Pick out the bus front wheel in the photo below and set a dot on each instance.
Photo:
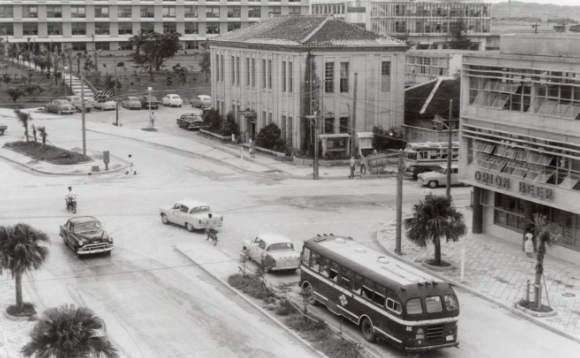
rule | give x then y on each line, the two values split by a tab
368	331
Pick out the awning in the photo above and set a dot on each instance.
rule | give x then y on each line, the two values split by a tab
248	113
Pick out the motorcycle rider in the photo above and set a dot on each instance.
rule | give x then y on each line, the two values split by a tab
209	227
70	197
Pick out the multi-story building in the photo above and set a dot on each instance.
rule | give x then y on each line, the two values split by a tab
520	138
428	24
427	65
285	69
108	24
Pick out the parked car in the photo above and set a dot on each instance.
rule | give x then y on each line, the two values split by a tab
3	127
85	235
131	103
144	99
438	177
202	101
60	106
103	106
190	121
77	103
191	214
172	100
274	251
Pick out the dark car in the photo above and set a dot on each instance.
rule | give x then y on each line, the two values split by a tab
144	99
85	235
190	121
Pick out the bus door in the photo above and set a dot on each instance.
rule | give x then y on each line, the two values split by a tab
331	291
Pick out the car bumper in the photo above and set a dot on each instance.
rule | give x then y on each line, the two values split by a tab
283	268
429	348
95	250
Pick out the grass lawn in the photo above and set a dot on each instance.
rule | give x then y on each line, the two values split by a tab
48	153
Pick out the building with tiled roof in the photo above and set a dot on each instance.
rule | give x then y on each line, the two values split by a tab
287	69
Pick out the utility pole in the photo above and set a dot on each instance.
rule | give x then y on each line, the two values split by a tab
400	167
449	151
316	135
353	126
117	98
83	114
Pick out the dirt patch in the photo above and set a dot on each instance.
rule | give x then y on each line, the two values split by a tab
337	202
48	153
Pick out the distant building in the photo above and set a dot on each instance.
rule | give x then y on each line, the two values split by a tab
427	24
285	69
426	65
520	139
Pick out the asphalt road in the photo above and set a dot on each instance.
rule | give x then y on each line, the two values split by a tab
157	304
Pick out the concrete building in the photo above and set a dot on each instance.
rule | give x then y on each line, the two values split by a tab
428	24
426	65
520	139
287	68
107	25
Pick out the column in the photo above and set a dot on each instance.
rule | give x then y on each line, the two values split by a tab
477	220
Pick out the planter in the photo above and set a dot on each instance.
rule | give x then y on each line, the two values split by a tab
445	266
27	313
525	306
216	136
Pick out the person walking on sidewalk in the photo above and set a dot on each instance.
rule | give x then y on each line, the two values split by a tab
352	167
131	166
529	244
252	147
152	119
363	165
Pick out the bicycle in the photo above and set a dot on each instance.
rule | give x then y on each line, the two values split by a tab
212	234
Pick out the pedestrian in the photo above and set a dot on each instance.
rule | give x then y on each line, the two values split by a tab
529	244
131	166
252	147
352	167
152	119
363	165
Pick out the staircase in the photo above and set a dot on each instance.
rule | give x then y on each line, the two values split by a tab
75	84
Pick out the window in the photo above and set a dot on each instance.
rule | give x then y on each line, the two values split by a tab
125	28
315	262
270	75
78	11
147	27
451	303
101	11
6	12
217	72
247	71
275	11
78	28
7	29
253	72
333	271
414	306
168	11
344	77
101	28
306	256
79	46
233	71
283	76
264	73
367	289
54	11
212	28
29	28
329	77
124	46
328	125
54	28
124	11
169	27
379	299
234	26
269	117
343	123
223	69
254	11
386	76
433	304
29	12
102	46
212	12
294	10
234	11
190	11
147	11
238	70
325	269
289	77
191	28
357	284
394	305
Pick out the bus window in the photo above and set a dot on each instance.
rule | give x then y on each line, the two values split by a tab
333	272
368	289
423	155
345	282
414	306
325	270
379	299
315	263
412	155
357	285
433	304
394	305
306	256
451	303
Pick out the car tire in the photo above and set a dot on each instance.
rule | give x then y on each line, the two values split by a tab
368	331
164	219
189	227
433	184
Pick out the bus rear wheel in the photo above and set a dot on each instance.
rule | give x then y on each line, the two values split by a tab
368	331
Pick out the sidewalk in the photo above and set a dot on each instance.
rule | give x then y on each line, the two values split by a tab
497	270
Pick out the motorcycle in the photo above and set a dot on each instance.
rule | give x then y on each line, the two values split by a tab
212	234
71	205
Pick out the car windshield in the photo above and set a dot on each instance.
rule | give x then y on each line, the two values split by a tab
282	246
87	227
441	170
199	209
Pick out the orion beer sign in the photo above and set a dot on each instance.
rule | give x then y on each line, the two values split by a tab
523	188
492	179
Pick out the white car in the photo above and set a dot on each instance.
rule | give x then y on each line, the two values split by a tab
103	106
190	213
202	101
172	100
439	177
274	251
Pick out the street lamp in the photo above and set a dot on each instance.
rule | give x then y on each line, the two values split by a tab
149	89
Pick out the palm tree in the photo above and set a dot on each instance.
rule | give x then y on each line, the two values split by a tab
23	118
432	219
547	236
67	332
20	252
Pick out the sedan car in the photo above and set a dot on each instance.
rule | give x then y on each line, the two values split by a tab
190	121
172	100
191	214
60	106
439	177
85	235
77	103
3	127
149	101
131	103
274	251
103	106
202	101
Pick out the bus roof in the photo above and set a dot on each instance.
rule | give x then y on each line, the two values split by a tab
377	266
429	145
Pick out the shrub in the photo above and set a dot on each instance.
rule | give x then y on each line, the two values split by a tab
212	119
269	136
230	126
284	307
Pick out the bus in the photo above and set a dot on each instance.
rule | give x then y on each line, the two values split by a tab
428	156
386	298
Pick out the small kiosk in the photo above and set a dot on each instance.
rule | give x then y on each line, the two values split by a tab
335	143
365	143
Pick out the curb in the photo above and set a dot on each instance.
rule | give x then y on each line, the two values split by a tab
260	309
480	295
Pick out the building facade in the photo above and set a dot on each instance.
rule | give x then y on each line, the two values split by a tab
284	70
426	65
520	138
428	24
108	24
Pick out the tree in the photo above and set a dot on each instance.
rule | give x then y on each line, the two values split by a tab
20	252
152	49
15	93
432	219
205	64
547	236
181	73
23	118
68	331
391	138
459	40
